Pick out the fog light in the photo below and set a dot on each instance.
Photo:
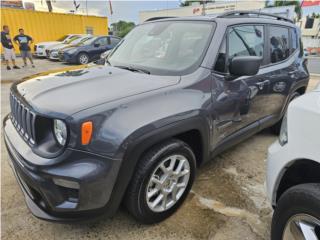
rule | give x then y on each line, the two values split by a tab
66	183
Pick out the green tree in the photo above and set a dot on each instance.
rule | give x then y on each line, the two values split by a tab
278	3
121	28
187	3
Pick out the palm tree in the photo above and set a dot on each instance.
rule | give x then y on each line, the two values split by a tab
297	5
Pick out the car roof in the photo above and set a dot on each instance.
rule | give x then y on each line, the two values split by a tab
233	17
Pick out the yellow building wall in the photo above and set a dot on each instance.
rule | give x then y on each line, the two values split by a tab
45	26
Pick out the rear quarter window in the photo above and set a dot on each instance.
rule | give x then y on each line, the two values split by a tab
279	43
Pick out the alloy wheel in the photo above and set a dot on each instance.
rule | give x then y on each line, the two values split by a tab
83	59
302	227
168	183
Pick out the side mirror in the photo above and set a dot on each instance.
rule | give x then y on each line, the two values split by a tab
244	66
100	61
96	44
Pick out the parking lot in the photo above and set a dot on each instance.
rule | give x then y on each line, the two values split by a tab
227	200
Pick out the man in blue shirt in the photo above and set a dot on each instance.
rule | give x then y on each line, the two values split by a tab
23	41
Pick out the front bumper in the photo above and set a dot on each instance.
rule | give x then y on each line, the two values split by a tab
77	185
54	56
40	52
276	162
69	58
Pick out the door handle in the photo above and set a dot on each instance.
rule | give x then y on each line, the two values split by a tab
261	84
293	72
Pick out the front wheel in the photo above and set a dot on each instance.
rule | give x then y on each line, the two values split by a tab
83	58
297	215
161	182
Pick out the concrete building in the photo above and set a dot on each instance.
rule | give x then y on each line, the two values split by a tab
310	30
216	8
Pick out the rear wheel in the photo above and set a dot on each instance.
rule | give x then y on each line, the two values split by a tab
161	182
297	215
276	127
83	58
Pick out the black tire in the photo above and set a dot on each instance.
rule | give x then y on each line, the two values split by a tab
135	199
82	56
276	127
301	199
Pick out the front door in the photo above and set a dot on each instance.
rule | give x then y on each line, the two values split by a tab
240	102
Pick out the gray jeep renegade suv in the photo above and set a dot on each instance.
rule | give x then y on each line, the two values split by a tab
174	93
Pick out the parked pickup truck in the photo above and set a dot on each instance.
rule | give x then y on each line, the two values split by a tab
174	93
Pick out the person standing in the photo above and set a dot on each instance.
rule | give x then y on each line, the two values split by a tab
23	41
8	48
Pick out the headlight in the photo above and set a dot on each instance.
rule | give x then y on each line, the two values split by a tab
105	54
54	53
60	131
283	137
71	51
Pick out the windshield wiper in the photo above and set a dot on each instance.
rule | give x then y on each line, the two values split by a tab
107	61
134	69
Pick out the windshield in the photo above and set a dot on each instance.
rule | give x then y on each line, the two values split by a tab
80	40
62	38
164	48
87	41
71	39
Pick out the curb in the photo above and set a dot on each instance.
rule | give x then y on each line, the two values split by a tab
7	81
314	74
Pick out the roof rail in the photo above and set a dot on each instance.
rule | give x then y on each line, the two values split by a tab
156	18
257	13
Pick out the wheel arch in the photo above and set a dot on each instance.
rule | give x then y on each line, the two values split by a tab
85	52
297	172
183	130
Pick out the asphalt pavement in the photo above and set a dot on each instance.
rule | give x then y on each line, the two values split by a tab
314	65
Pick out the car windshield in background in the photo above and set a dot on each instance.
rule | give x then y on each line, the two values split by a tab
62	38
164	48
80	40
87	41
70	40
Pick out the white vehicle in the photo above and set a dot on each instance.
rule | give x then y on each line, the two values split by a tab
52	52
293	172
40	48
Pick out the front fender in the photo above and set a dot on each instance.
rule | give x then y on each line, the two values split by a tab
115	129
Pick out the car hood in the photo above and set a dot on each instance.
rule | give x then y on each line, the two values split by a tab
72	90
70	47
58	46
47	44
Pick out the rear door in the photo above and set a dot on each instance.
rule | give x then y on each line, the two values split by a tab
282	68
240	102
100	46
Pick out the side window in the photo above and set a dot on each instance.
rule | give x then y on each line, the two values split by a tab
279	44
294	40
114	41
102	41
245	40
221	65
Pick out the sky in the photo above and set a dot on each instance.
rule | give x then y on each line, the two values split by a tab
127	10
122	10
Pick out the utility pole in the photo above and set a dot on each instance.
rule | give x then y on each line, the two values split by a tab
49	4
203	7
87	7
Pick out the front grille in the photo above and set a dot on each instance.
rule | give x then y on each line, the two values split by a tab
23	119
48	53
60	55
